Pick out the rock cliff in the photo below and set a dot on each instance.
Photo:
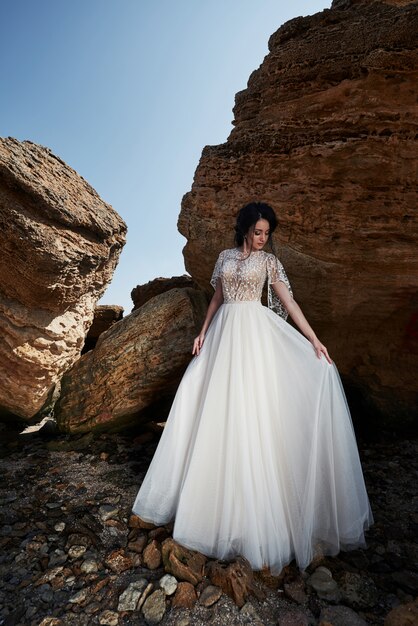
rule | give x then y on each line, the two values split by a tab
60	244
326	133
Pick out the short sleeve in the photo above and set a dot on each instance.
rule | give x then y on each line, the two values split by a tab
275	273
217	269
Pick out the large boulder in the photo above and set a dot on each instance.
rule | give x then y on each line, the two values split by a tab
142	293
105	315
60	244
325	132
135	368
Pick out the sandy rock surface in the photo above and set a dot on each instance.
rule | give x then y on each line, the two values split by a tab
325	133
60	243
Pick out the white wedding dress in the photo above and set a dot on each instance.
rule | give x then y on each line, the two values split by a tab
258	456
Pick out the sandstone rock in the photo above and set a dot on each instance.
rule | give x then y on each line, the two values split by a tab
118	562
185	595
135	367
105	315
404	615
184	564
325	132
152	555
210	595
142	293
60	244
234	578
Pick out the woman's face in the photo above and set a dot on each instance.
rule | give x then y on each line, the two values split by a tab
258	235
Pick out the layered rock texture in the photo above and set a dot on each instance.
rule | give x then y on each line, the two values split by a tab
326	133
142	293
135	368
59	245
105	315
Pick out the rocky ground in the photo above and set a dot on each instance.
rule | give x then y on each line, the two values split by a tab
72	554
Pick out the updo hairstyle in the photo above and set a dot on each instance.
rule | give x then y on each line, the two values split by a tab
249	215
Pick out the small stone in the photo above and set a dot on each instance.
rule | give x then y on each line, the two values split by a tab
185	595
138	545
210	595
152	555
128	600
168	584
154	607
107	511
248	611
118	562
59	527
109	618
137	522
324	584
79	597
76	552
50	621
340	616
89	566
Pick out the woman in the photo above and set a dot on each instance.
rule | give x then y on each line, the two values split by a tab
258	455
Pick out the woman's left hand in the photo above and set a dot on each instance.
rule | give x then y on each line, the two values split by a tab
320	349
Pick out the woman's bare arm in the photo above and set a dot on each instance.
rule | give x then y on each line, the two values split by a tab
214	305
295	312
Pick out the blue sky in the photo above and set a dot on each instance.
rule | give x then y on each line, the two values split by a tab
128	92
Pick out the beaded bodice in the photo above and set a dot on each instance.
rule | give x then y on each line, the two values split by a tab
243	277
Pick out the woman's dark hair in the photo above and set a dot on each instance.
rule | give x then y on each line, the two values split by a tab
249	215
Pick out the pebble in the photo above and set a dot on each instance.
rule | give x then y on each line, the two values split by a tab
168	584
76	552
109	618
89	566
210	595
324	584
154	607
128	600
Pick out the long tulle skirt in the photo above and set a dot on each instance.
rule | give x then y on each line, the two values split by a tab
258	456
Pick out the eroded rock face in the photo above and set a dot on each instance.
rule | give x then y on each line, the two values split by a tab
105	315
60	244
325	133
135	368
142	293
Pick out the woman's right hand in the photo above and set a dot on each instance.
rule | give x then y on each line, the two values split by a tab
198	343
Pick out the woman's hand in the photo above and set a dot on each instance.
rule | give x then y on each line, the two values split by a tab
198	343
320	349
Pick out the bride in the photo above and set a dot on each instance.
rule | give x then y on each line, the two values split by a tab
258	456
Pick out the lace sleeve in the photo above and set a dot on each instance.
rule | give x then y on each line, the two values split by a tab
217	269
275	272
